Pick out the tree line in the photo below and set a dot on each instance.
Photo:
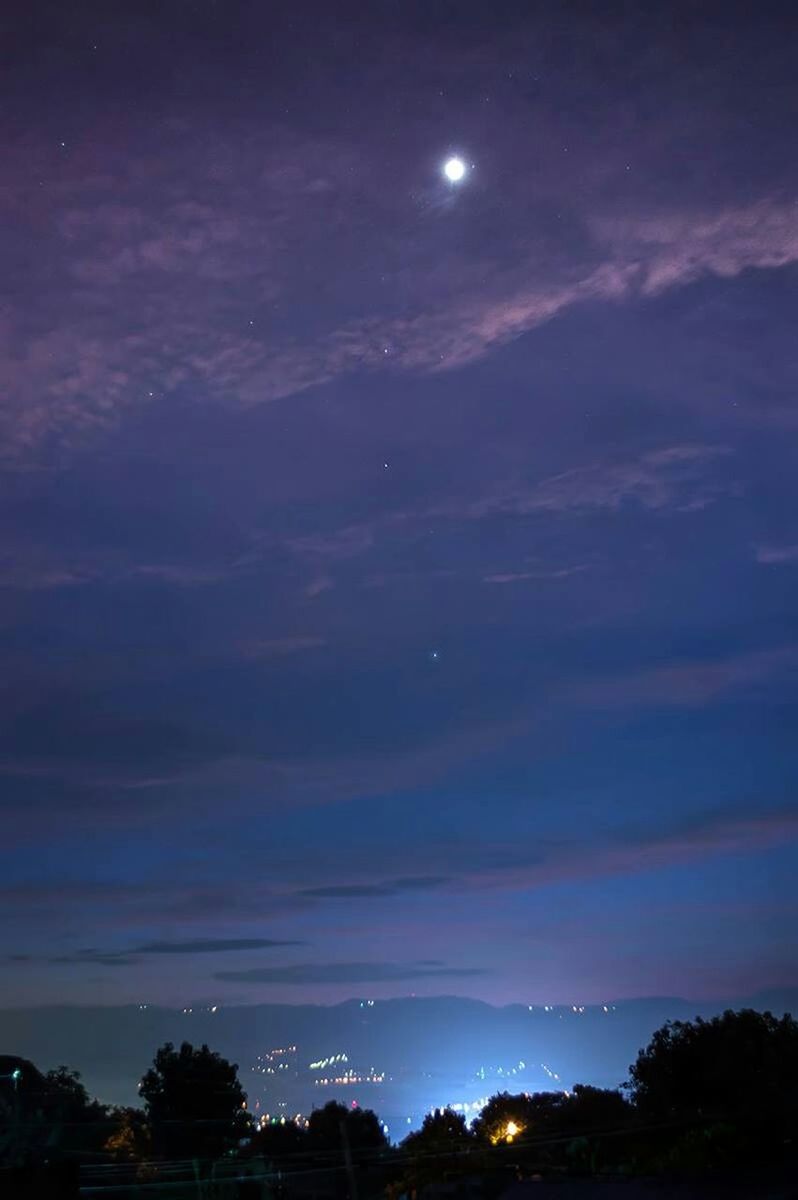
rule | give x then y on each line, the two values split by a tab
702	1093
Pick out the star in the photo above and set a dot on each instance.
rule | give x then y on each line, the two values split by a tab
454	169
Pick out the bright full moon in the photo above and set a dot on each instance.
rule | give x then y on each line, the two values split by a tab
454	169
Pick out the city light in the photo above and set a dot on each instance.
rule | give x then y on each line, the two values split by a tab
351	1076
328	1062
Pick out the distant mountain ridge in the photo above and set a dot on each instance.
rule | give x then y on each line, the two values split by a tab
431	1051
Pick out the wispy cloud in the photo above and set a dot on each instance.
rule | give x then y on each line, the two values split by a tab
322	583
584	855
525	576
713	834
668	476
35	577
95	958
35	570
684	477
645	256
338	545
689	682
180	574
281	646
78	378
133	955
496	864
392	887
772	555
211	946
676	248
347	972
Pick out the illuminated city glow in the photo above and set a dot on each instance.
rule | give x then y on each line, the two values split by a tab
288	1081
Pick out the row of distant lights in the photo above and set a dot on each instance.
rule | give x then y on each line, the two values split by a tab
501	1070
466	1107
213	1008
269	1054
269	1057
350	1077
577	1008
298	1120
328	1062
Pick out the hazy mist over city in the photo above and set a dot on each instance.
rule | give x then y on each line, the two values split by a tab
400	1057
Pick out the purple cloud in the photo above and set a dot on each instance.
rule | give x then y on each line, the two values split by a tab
776	555
280	646
688	683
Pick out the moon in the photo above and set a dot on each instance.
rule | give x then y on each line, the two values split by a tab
454	169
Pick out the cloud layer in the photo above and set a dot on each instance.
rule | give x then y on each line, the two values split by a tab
346	973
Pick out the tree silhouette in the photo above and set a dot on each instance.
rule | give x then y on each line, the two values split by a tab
441	1131
195	1105
589	1108
65	1084
131	1139
281	1141
361	1126
47	1110
740	1066
509	1118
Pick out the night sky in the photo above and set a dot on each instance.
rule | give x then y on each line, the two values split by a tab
399	576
